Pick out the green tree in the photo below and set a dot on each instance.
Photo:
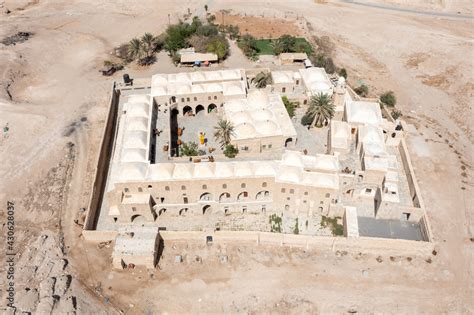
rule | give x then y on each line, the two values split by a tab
321	109
223	132
262	79
388	98
287	43
277	46
343	73
290	106
362	90
306	120
396	114
230	151
189	149
135	50
248	44
219	46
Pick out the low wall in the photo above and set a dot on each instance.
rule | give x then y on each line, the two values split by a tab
376	246
99	236
102	162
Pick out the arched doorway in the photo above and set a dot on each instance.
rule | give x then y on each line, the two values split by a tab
212	108
225	197
137	218
263	195
187	111
183	211
243	196
288	141
206	197
207	209
199	108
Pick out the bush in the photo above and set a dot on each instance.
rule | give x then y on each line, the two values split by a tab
362	90
388	98
189	149
290	106
306	120
343	73
329	65
230	151
396	114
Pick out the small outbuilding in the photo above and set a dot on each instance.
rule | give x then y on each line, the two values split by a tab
198	59
136	247
290	58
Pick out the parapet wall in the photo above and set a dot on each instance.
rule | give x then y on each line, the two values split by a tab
102	162
376	246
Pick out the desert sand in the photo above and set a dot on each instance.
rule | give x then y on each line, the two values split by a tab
54	101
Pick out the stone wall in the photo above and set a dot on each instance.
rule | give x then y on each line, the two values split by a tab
102	162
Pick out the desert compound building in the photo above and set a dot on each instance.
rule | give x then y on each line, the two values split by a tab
286	179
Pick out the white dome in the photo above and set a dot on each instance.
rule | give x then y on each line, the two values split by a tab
198	76
203	170
289	174
133	171
262	114
233	89
242	169
160	79
197	88
137	110
182	77
160	90
213	75
224	169
341	81
135	140
183	89
240	118
137	124
257	99
263	169
267	128
292	158
134	155
161	171
183	171
213	87
245	130
235	105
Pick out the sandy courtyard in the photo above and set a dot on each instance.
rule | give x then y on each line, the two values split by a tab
54	101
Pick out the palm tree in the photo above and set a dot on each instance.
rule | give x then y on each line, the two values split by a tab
262	79
223	132
135	49
321	108
277	46
148	42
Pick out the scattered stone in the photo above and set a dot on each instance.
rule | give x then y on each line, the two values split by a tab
434	252
429	261
223	259
379	259
178	259
19	37
365	273
409	258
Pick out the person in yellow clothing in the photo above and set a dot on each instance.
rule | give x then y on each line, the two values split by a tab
201	138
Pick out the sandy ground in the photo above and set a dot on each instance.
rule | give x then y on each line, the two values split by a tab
58	97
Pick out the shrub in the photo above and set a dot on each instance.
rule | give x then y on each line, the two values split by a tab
275	223
189	149
396	114
329	65
362	90
290	106
306	120
230	151
388	98
296	229
343	73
